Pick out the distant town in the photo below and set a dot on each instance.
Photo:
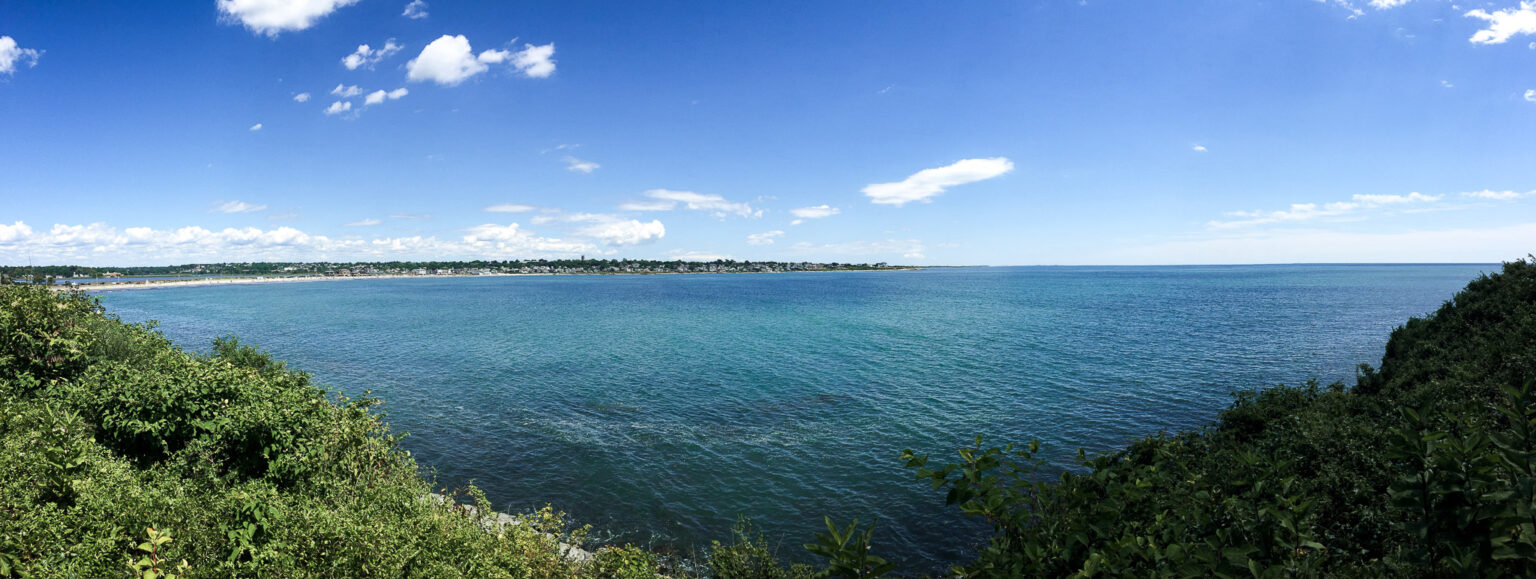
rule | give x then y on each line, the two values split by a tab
64	273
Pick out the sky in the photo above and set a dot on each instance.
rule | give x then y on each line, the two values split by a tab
929	133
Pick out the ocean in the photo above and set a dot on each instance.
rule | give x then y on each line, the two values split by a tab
660	408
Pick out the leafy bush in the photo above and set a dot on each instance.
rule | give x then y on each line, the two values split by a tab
1426	468
106	429
749	557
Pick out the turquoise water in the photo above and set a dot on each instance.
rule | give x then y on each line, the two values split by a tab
659	408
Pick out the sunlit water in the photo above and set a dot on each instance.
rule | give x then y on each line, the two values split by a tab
660	408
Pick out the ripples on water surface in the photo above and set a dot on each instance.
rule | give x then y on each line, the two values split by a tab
661	407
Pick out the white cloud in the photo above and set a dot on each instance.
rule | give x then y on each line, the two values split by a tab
1385	4
302	97
681	255
764	238
631	232
1308	211
532	61
255	127
363	223
817	212
238	207
889	248
535	61
416	10
11	55
338	107
577	165
271	17
16	231
510	208
100	243
367	57
668	200
1530	95
928	183
1199	148
1478	245
1498	195
557	216
493	56
512	238
378	96
345	91
648	206
447	61
1504	24
1447	84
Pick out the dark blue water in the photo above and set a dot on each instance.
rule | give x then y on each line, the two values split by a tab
659	408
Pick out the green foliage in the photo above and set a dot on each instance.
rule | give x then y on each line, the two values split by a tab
749	557
1426	468
848	552
106	427
152	556
229	349
43	338
627	562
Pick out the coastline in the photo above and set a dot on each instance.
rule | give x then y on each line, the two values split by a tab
247	280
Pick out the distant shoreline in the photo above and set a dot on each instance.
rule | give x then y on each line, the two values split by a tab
248	280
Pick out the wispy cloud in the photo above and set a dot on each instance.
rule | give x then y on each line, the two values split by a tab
238	207
1308	211
345	91
1198	148
367	57
378	96
667	200
817	212
338	107
579	166
648	206
364	223
557	216
416	10
764	238
906	248
302	97
1498	195
510	208
925	184
255	127
682	255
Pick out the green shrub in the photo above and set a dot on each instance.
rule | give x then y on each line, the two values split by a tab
627	562
749	557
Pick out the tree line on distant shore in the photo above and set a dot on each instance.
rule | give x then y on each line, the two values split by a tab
61	272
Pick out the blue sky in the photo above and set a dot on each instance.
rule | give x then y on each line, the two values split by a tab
1049	132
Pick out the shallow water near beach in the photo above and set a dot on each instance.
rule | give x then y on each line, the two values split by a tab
660	408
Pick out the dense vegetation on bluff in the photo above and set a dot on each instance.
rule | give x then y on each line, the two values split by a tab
126	455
